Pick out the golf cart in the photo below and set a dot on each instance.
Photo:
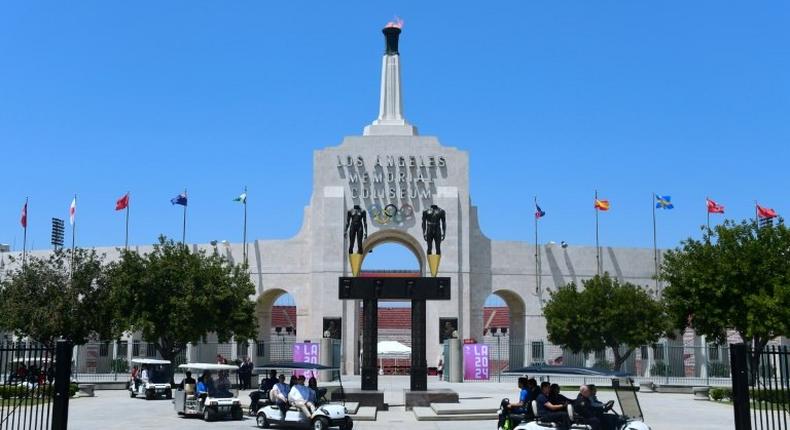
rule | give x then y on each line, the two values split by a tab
327	414
219	399
629	418
157	383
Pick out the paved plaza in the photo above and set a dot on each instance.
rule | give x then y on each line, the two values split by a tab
115	410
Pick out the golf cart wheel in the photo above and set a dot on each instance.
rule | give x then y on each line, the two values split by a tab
132	394
262	421
207	415
168	394
149	395
320	423
347	425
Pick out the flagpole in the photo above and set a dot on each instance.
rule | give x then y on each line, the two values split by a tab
245	226
537	251
126	241
73	234
655	244
24	234
597	244
184	227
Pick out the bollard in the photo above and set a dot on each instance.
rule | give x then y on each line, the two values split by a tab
455	361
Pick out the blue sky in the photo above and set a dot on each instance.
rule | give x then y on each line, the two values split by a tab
553	99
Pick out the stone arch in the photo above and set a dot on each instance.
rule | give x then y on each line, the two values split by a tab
263	310
518	311
399	237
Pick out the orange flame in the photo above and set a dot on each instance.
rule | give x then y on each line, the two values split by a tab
397	23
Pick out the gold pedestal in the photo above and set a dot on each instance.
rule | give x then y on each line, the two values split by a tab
433	263
356	263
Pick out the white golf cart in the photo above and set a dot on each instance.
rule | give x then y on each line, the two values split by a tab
153	379
629	418
219	399
327	414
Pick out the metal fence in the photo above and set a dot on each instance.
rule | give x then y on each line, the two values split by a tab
34	386
761	387
660	363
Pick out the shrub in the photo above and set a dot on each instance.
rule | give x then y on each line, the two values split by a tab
659	369
716	394
120	365
73	388
717	369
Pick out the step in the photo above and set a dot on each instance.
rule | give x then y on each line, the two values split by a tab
426	413
466	408
364	413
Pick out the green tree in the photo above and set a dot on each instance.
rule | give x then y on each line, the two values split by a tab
174	296
604	314
737	277
46	300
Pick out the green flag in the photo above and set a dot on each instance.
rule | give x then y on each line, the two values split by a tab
242	198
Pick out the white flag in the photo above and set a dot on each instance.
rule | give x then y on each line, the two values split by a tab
72	210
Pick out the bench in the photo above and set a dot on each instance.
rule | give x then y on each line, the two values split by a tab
86	390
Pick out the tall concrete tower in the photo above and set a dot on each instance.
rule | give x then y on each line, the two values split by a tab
390	121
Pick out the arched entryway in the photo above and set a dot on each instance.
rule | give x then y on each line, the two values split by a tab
504	330
388	255
276	313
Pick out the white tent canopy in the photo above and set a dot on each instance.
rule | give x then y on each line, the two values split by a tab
391	347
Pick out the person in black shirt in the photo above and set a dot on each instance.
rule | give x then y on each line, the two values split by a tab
188	379
582	407
552	408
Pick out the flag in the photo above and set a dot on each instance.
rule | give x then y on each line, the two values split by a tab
180	199
242	198
539	213
602	205
23	219
713	207
765	213
664	202
122	203
73	210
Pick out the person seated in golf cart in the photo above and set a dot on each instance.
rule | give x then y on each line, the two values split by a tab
318	394
608	421
299	396
279	394
584	411
551	408
516	411
263	391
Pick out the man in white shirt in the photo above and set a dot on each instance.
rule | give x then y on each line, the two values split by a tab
144	374
299	396
279	394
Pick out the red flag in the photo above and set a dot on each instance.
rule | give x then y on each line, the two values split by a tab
765	213
23	220
122	203
713	207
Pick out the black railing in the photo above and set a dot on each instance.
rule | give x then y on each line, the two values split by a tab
761	387
34	386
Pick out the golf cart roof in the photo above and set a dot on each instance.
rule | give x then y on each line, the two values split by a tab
208	366
149	361
294	365
566	370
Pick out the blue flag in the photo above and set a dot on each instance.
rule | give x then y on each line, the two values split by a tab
664	202
180	199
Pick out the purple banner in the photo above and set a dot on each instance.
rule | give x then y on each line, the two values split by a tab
306	353
476	362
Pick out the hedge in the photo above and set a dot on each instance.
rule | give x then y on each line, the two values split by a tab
21	391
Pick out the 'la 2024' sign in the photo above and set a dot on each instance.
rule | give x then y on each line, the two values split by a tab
476	362
306	353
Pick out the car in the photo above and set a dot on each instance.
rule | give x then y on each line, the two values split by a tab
219	400
327	414
156	384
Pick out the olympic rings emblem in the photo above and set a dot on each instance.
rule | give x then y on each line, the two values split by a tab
391	214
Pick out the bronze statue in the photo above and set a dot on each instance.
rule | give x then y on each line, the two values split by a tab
357	225
434	227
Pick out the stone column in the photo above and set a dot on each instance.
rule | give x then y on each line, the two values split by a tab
370	323
455	361
325	358
419	363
